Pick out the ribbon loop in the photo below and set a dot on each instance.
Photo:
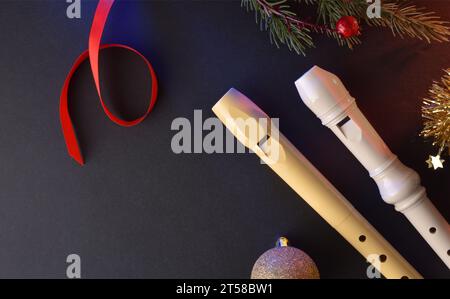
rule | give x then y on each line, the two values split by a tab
98	25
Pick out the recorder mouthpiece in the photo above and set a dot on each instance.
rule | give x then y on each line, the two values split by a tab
324	94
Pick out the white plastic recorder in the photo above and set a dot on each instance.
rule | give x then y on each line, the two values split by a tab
327	97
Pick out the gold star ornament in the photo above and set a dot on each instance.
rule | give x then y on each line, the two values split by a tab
436	116
435	162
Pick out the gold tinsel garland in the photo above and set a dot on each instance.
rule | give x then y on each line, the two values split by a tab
436	114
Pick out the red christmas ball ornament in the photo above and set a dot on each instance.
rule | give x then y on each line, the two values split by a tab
347	26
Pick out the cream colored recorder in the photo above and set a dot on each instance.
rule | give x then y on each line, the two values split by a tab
240	115
399	185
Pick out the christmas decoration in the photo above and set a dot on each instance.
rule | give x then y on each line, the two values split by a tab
435	162
286	161
436	114
284	262
98	25
348	26
330	101
338	19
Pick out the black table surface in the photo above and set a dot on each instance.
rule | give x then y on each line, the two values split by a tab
136	209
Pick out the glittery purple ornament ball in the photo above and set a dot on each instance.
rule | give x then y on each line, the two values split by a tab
285	263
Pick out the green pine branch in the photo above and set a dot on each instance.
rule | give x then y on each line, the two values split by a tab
405	19
280	19
277	17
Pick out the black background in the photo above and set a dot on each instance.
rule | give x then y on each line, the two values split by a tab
139	210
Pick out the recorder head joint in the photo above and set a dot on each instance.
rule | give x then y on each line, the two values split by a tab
324	93
250	125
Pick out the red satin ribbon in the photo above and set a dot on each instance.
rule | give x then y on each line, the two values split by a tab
95	36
